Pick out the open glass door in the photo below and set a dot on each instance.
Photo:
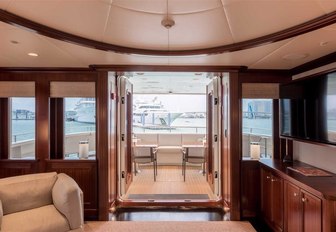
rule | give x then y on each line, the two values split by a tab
125	109
213	134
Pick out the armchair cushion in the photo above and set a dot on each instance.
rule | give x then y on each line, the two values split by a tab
30	191
42	219
68	199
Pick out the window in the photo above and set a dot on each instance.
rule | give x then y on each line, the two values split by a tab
169	113
79	127
257	127
73	120
22	133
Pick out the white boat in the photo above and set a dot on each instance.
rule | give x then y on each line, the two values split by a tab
86	110
142	107
152	115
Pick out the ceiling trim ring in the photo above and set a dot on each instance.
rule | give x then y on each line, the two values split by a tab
311	25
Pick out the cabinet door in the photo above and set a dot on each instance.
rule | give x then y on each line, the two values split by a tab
277	202
293	208
266	195
312	212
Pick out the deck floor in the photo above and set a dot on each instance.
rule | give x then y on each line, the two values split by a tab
170	181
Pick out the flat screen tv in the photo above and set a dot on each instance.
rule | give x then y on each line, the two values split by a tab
308	109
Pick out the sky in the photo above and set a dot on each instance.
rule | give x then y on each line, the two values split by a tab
29	103
179	103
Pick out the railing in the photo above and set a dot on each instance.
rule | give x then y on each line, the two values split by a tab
22	137
26	137
170	129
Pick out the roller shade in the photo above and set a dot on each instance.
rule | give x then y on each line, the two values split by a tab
260	90
72	89
17	89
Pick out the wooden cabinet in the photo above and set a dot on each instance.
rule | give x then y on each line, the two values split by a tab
272	199
292	208
294	202
303	211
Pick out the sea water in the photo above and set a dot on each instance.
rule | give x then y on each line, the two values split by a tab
25	129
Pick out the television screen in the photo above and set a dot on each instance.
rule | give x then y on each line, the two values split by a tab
308	109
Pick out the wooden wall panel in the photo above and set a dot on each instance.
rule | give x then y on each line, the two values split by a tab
234	135
4	128
102	144
10	168
84	172
250	188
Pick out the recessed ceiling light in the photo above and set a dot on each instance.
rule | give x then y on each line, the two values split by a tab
32	54
324	43
294	56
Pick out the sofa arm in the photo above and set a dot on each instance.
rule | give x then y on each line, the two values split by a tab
68	199
1	214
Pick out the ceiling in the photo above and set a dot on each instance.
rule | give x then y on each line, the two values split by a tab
169	82
137	24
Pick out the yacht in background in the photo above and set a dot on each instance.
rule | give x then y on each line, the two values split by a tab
86	110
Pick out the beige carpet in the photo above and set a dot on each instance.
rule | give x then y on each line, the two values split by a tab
168	226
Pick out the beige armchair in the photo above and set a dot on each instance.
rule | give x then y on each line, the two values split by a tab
41	202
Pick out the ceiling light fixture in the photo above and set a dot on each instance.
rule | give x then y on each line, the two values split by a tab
32	54
295	56
167	22
324	43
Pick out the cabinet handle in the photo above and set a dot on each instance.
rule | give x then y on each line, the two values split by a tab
304	199
268	177
273	180
295	194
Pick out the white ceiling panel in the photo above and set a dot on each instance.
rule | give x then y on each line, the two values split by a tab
5	62
83	18
198	24
4	4
92	56
192	31
174	6
327	5
300	50
28	42
252	19
192	6
244	57
136	29
142	6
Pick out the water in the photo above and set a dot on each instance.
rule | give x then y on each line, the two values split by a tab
258	126
25	129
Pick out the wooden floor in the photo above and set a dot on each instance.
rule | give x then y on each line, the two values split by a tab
170	181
